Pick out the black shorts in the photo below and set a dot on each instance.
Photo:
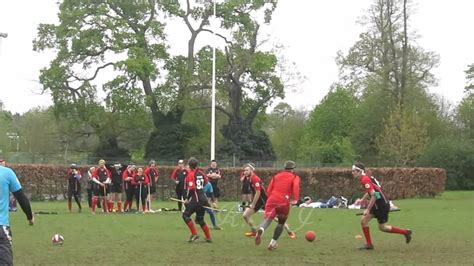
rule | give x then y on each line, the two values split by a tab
99	190
380	211
217	191
73	192
116	187
6	254
260	204
196	205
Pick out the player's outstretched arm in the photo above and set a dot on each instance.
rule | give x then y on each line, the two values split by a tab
296	188
24	204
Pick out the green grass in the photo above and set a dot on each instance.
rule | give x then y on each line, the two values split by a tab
443	233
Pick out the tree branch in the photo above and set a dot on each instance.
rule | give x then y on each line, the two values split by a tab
220	35
220	108
95	73
254	111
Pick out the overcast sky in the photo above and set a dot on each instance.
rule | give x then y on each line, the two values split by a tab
312	32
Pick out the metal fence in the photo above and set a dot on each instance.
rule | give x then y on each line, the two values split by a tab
85	159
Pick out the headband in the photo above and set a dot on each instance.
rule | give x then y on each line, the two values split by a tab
358	169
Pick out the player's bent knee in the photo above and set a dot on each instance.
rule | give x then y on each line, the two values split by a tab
200	221
384	228
281	219
186	217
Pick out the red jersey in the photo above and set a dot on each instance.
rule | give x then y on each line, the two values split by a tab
152	173
370	184
125	174
256	183
179	174
196	180
284	185
143	178
101	174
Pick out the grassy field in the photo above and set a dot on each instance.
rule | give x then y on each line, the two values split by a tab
443	233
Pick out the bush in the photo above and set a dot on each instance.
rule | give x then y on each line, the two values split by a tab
456	155
49	182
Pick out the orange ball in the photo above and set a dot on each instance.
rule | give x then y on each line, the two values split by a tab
310	236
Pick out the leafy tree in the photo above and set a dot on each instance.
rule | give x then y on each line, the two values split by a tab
334	116
403	139
94	37
285	128
456	155
386	54
5	127
465	110
470	78
327	133
38	132
389	73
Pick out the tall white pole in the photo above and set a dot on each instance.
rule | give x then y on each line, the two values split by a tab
2	35
213	92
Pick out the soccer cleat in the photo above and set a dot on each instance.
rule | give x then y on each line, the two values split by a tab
217	227
292	234
367	247
208	240
408	236
272	247
258	236
251	233
193	238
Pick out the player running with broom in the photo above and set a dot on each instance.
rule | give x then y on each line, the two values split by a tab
196	179
378	207
283	188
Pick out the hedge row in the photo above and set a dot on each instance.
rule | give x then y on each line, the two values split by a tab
49	182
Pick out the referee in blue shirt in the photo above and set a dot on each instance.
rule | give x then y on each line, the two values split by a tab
9	183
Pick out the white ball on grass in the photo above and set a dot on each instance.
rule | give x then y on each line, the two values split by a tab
57	239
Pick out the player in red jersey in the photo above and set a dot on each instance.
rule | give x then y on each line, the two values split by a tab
378	207
196	179
129	188
151	171
101	177
178	175
283	189
259	198
141	182
116	187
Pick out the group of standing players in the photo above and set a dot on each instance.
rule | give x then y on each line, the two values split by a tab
106	185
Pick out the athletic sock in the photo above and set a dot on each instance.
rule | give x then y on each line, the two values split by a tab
69	205
191	227
213	218
111	206
206	231
94	203
397	230
119	206
367	235
144	207
104	205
